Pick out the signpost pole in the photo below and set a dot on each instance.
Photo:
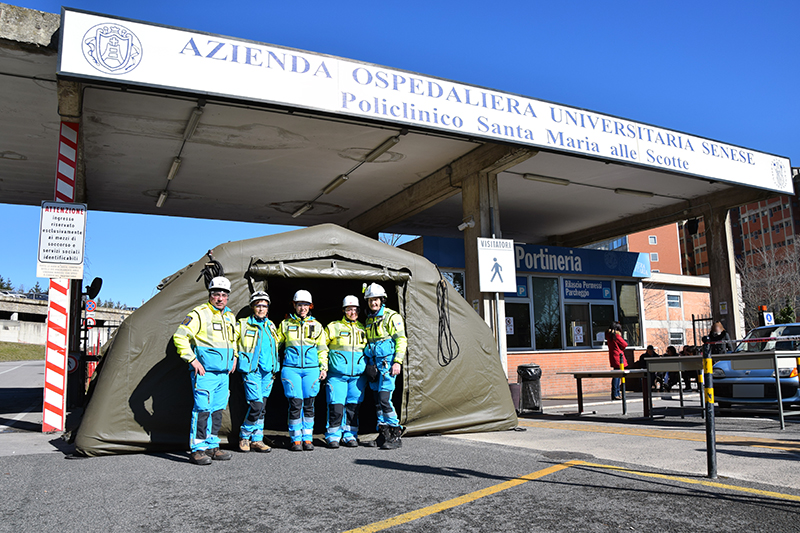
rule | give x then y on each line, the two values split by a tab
711	432
58	306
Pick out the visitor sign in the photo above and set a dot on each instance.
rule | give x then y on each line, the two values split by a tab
496	265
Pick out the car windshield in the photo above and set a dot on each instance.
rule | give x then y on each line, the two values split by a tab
771	332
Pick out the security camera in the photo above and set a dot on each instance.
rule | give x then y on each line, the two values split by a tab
465	225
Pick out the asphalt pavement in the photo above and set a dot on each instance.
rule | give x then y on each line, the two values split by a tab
601	472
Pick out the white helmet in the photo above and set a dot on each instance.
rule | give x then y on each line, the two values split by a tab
258	296
220	284
350	301
375	291
302	296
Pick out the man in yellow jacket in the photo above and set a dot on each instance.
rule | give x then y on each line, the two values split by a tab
386	349
206	339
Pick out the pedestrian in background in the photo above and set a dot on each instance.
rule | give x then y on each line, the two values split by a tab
616	355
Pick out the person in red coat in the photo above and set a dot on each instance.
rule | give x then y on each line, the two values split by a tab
616	354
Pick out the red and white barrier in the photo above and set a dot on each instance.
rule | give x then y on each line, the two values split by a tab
55	370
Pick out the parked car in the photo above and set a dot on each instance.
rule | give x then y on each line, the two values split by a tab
758	386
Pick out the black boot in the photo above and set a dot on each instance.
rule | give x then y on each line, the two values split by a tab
393	440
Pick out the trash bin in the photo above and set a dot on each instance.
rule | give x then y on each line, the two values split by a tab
529	377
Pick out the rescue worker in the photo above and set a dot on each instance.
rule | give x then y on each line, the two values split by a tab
305	365
346	364
258	363
206	339
386	349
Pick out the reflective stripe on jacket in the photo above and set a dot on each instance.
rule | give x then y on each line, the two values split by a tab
386	336
258	347
208	335
346	341
304	342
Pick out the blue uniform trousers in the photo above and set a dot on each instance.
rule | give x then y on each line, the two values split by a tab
301	386
382	392
211	393
257	387
345	394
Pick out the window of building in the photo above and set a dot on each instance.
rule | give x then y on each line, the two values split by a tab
673	300
654	257
546	313
518	324
676	339
456	279
652	239
629	312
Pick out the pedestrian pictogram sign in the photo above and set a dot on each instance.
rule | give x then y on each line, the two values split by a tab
496	265
90	322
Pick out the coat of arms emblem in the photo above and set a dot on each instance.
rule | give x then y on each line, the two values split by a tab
112	48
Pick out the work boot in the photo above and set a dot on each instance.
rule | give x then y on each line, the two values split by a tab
383	435
296	447
307	446
352	443
260	447
333	444
244	445
200	458
393	440
219	455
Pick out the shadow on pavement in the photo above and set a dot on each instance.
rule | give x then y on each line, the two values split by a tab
435	470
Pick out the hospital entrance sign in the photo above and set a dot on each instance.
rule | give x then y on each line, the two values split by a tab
496	266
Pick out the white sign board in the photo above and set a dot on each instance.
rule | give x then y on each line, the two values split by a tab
496	265
135	53
509	325
769	319
62	231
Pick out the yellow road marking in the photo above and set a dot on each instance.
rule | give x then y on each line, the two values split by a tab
692	481
694	436
461	500
494	489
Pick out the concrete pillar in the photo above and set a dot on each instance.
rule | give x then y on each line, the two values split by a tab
479	202
722	271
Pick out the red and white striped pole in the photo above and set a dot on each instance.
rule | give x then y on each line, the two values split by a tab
57	349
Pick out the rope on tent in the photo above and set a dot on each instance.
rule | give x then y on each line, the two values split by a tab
447	342
211	269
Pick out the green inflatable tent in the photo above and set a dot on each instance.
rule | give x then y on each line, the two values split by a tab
452	380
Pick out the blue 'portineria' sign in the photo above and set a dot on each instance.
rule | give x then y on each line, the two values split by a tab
584	261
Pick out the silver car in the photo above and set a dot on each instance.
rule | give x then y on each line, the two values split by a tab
758	386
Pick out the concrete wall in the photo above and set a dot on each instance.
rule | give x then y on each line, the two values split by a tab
23	332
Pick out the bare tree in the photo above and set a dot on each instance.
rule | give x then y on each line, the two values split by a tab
771	278
390	238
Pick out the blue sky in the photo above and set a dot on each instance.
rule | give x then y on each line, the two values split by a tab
724	70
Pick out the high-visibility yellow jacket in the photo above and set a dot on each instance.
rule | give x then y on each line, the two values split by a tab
258	345
304	342
208	335
386	336
346	341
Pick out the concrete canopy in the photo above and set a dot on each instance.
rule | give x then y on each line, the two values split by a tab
257	162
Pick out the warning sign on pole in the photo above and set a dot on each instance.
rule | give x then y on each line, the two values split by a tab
498	272
62	229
